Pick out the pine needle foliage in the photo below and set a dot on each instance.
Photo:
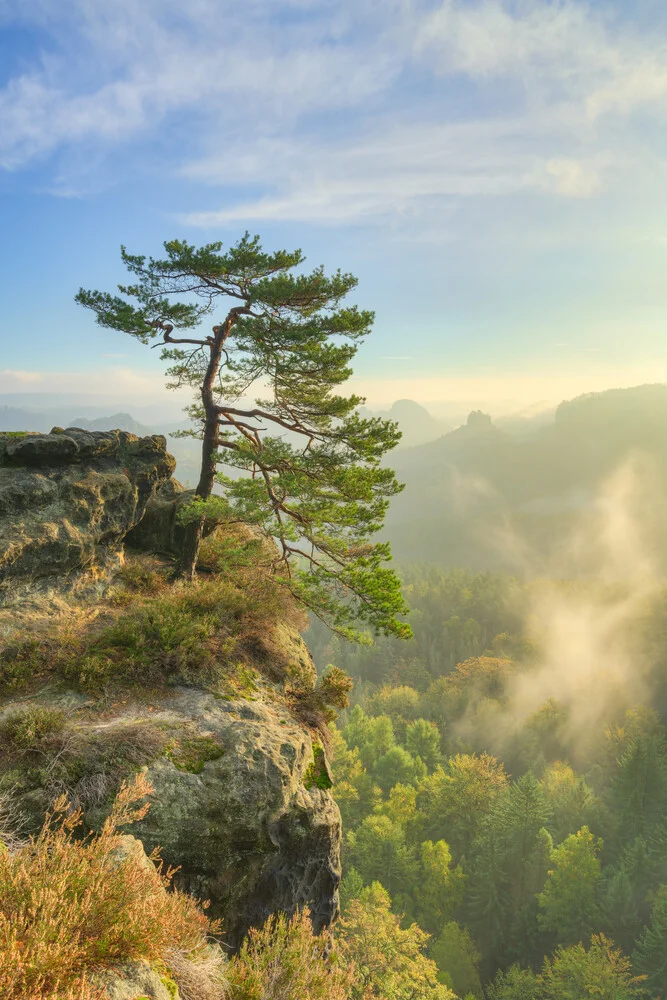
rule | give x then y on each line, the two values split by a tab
306	467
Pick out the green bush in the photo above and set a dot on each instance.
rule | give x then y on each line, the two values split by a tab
27	728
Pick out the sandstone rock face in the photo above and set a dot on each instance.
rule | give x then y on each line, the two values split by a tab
245	830
67	500
159	529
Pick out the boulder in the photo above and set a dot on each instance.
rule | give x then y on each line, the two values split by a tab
67	500
234	806
135	981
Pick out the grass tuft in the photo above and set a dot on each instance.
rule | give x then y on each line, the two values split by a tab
317	772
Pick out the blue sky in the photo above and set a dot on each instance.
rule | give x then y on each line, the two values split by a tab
494	172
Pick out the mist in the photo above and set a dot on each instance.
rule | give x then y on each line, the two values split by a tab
584	612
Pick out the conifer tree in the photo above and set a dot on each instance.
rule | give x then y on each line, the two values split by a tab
650	956
307	466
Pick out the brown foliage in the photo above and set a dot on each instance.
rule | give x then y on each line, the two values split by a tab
69	906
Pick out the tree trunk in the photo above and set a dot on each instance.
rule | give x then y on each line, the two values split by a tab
191	543
194	531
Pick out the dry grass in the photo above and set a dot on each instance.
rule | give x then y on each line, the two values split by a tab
202	976
69	906
11	825
43	748
159	634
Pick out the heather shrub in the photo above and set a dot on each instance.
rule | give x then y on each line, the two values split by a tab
70	905
140	574
284	961
29	728
317	707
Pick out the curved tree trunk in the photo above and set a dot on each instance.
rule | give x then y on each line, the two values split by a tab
194	530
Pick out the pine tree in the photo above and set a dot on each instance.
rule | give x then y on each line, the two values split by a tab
650	956
308	467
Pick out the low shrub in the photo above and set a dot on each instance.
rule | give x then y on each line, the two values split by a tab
71	905
283	961
320	705
317	773
205	633
141	575
27	729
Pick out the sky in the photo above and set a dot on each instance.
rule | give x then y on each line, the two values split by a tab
493	171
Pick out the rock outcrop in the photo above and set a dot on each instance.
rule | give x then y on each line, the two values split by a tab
234	806
240	805
159	529
135	981
67	500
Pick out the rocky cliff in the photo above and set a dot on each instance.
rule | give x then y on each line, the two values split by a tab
236	806
200	687
67	500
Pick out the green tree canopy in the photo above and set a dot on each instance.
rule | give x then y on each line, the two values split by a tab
650	956
602	972
569	901
307	466
389	959
456	956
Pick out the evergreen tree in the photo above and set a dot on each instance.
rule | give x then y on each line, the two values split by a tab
423	740
569	902
489	897
639	793
308	468
650	956
457	958
626	890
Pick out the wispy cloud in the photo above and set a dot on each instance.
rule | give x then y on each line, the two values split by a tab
338	111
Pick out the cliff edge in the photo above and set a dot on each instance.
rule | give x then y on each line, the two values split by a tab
207	687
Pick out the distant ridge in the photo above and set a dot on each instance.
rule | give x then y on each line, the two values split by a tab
480	482
118	421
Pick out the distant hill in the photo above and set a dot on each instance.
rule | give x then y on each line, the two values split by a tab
416	424
13	418
473	489
118	421
471	492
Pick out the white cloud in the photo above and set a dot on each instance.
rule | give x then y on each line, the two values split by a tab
215	61
17	378
113	381
394	171
256	90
